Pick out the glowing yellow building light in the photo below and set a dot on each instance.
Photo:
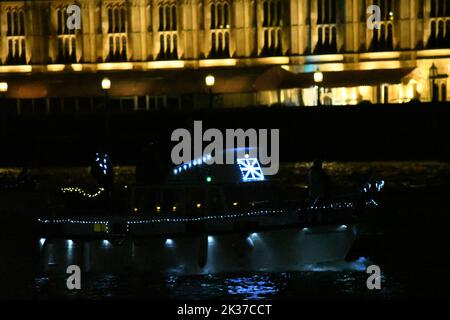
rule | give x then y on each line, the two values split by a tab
77	67
115	66
274	60
218	63
364	90
55	67
165	64
3	87
106	84
18	69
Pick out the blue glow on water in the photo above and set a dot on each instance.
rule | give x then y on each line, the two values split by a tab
211	239
254	288
359	264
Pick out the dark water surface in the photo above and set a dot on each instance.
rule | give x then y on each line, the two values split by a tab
408	238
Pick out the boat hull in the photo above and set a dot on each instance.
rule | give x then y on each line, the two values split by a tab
278	250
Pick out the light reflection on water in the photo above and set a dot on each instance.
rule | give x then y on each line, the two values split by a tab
254	288
347	279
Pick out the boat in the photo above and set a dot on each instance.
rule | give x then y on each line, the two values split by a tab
206	219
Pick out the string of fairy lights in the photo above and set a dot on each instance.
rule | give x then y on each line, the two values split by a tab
68	190
257	213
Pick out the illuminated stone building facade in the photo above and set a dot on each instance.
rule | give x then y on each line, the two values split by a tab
261	52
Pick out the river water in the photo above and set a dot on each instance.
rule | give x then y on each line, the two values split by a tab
408	239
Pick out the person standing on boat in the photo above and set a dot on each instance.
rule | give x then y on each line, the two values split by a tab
318	183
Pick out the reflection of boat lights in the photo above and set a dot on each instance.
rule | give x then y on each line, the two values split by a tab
305	229
256	287
360	264
69	243
42	241
210	239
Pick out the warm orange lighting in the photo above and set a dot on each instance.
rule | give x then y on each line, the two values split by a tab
115	66
364	90
273	60
165	64
3	87
55	67
77	67
12	69
210	80
106	84
318	77
218	63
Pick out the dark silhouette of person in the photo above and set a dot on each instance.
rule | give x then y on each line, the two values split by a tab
23	175
153	164
318	182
